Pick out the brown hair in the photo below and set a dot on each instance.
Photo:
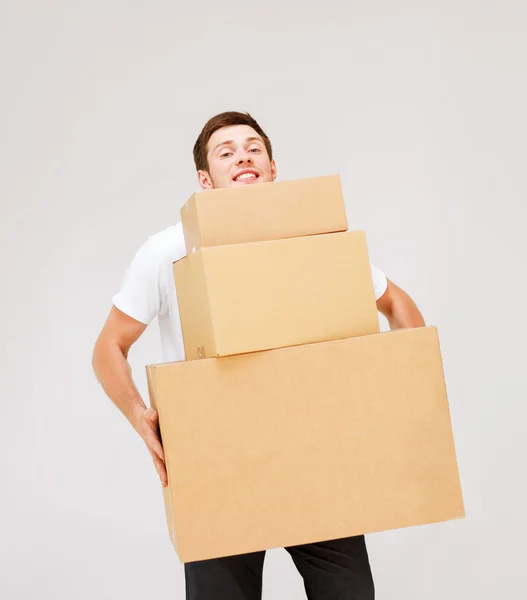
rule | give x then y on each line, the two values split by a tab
226	119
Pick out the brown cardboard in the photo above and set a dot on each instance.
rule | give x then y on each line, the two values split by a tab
306	443
262	295
266	211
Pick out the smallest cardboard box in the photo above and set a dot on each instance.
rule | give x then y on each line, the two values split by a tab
261	212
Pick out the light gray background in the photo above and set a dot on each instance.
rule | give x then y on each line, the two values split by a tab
420	106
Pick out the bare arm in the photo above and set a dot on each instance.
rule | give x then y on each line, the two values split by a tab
114	374
400	310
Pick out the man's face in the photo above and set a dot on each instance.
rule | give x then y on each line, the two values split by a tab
237	156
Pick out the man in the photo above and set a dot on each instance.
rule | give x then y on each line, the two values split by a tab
232	150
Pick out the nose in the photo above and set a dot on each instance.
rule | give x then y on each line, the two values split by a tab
244	158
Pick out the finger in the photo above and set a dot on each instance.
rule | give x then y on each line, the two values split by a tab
154	443
151	416
160	468
152	432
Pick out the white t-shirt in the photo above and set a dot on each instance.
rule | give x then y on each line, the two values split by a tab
148	288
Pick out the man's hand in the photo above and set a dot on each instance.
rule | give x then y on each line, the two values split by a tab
148	429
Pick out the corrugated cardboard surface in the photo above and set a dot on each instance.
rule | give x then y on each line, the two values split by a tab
265	211
262	295
307	443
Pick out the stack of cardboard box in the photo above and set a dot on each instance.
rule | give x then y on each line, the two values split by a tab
293	420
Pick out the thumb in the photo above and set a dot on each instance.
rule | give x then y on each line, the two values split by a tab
151	415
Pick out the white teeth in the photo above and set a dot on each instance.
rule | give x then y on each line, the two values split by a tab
246	176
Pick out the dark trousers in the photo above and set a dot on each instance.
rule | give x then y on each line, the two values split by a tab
334	570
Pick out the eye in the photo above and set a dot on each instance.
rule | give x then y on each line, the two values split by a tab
257	150
225	154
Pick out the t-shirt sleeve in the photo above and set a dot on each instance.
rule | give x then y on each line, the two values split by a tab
139	296
380	283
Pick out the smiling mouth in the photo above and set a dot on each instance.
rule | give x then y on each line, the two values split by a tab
246	177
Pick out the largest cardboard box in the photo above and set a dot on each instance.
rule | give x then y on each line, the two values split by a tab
306	443
257	296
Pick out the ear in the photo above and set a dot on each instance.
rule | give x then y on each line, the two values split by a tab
205	180
274	170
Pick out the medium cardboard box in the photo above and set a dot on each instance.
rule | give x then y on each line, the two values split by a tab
262	295
266	211
306	443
